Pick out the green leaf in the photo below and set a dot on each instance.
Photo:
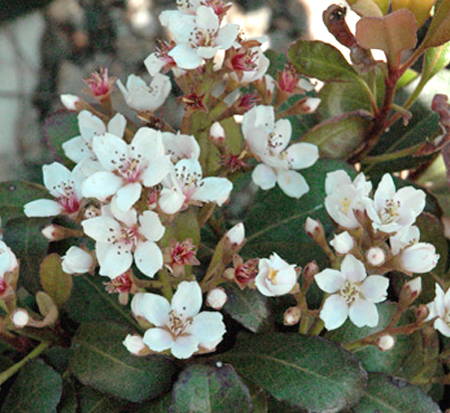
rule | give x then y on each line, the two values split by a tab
435	59
210	389
160	405
54	280
321	61
310	373
407	78
24	237
371	357
68	403
439	31
59	128
339	136
100	360
288	215
92	401
38	388
388	394
248	307
184	226
15	194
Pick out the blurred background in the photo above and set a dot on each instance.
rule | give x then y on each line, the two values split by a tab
48	47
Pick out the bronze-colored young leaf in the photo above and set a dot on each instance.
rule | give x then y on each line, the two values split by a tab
321	61
392	34
54	280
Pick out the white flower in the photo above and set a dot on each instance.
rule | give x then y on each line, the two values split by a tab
198	36
119	236
216	298
186	185
415	257
236	234
64	185
345	196
342	243
8	261
70	101
268	141
80	147
440	308
127	167
391	210
142	97
275	276
353	294
134	343
179	327
252	66
180	146
77	261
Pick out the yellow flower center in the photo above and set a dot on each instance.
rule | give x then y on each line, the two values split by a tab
272	276
350	292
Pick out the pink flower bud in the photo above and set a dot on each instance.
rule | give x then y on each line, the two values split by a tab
216	298
311	225
343	243
311	104
20	318
375	256
217	133
292	316
134	343
386	342
414	286
70	102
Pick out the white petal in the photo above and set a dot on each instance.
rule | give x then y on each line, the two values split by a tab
292	184
154	308
187	300
42	208
109	150
362	313
151	226
117	260
227	35
171	201
185	57
128	195
77	149
208	326
117	125
54	175
156	171
330	280
334	312
213	189
90	125
101	185
157	339
148	258
302	155
101	228
184	347
374	288
442	327
264	176
353	269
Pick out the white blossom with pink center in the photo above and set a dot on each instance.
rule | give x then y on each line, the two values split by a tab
353	294
121	235
127	167
268	140
179	326
186	185
64	185
391	210
251	65
197	36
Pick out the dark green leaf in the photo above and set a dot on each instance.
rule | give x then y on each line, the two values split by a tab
435	59
68	403
24	237
15	194
248	307
388	394
339	136
310	373
321	61
54	280
160	405
92	401
59	128
38	388
210	389
275	217
100	360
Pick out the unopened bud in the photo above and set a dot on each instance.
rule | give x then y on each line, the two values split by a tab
375	256
343	243
292	316
57	232
217	133
236	234
216	298
311	104
20	318
386	342
411	289
77	261
134	343
311	226
70	102
422	312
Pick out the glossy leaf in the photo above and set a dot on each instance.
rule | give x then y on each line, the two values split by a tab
38	388
92	401
340	136
310	373
321	61
100	360
54	280
435	59
210	389
439	31
59	128
248	307
388	394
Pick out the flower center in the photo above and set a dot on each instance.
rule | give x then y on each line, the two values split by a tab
177	323
390	212
202	37
129	168
189	179
345	204
68	198
350	292
272	276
